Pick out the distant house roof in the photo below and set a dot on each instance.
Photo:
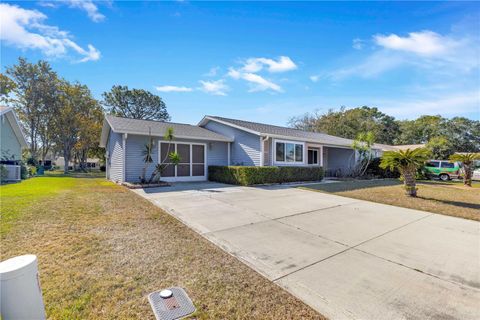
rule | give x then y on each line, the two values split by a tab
409	146
157	129
283	132
17	129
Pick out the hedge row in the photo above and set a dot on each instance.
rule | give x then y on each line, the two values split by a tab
245	175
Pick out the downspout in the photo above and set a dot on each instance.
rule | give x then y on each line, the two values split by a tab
124	173
262	150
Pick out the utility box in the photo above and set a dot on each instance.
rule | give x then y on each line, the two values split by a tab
20	292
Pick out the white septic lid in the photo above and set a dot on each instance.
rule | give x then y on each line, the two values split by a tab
166	293
17	266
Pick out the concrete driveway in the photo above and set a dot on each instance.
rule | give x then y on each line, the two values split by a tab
347	258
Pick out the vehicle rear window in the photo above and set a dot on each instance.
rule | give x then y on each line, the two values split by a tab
434	164
448	165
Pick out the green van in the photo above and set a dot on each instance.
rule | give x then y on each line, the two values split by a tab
443	169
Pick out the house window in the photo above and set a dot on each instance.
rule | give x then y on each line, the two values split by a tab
312	156
280	152
288	152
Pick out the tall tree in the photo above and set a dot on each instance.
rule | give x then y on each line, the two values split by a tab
33	96
421	130
349	123
464	134
135	103
6	87
74	103
90	120
440	148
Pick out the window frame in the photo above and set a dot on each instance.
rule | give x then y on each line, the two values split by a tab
285	162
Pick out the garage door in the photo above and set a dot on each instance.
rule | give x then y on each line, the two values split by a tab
192	166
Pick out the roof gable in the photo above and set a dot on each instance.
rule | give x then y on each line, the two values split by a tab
11	117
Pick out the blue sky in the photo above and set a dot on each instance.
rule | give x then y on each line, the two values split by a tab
264	61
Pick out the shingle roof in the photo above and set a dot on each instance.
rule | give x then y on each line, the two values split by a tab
272	130
158	128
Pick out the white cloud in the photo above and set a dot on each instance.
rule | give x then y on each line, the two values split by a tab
173	89
314	78
282	64
88	6
426	43
259	83
24	29
358	44
248	72
446	104
212	72
452	55
217	88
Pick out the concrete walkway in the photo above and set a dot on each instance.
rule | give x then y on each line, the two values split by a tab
347	258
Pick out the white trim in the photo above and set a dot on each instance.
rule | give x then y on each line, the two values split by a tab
204	122
124	147
317	150
285	163
321	156
228	153
191	177
261	151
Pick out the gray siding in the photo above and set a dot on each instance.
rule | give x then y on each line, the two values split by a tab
134	158
135	144
10	147
245	149
115	160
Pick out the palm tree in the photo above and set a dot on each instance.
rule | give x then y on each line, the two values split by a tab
467	160
407	162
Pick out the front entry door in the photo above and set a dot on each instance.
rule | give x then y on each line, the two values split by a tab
192	161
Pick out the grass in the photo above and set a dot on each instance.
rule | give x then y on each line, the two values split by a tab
102	249
448	198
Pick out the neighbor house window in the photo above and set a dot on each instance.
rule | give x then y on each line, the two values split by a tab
288	152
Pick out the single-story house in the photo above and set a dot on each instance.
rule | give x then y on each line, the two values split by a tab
12	141
218	141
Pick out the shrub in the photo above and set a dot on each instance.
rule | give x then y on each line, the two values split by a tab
32	171
23	171
374	170
3	173
102	168
247	175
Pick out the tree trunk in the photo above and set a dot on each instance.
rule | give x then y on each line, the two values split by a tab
467	176
409	182
66	158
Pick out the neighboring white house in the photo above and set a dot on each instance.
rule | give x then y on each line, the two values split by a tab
92	163
12	141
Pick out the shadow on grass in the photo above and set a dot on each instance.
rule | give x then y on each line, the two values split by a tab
447	183
353	185
85	175
453	203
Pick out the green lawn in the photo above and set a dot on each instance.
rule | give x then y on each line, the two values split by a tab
449	198
102	249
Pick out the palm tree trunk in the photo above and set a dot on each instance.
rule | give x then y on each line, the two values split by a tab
409	182
467	177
